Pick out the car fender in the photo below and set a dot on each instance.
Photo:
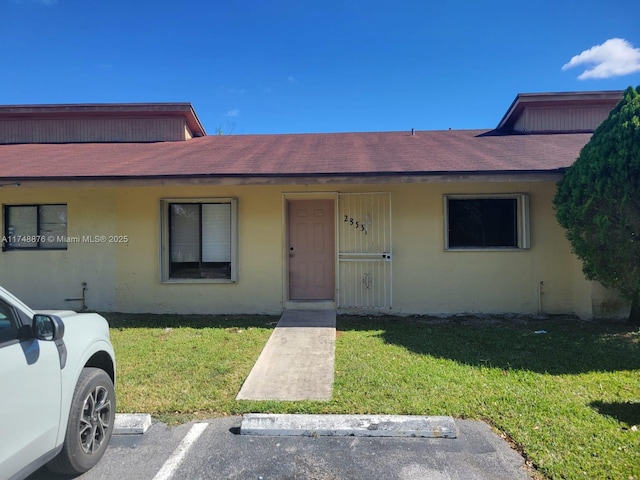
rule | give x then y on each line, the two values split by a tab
86	335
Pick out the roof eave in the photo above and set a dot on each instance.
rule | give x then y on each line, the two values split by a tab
15	181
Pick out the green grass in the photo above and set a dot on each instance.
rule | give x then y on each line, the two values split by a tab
568	398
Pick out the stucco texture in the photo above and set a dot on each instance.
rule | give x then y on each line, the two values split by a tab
427	279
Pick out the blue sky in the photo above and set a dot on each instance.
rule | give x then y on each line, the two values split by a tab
302	66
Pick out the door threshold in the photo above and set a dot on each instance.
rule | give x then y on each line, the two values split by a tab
310	305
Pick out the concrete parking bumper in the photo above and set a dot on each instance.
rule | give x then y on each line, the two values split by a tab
131	423
348	425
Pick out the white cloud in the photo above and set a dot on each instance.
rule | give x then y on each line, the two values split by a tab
292	79
233	113
614	58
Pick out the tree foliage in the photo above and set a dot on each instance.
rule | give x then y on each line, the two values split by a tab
598	202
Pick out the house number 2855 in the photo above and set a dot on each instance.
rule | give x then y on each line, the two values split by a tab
356	224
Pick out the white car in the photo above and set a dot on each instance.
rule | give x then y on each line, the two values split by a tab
57	400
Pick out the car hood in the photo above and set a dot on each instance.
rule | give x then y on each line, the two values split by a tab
58	313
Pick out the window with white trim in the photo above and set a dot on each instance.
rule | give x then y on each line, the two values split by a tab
486	222
35	227
199	240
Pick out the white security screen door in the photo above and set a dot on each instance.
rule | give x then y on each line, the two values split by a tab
364	250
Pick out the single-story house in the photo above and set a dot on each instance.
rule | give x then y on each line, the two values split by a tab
133	208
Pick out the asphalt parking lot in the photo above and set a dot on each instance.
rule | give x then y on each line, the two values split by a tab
213	449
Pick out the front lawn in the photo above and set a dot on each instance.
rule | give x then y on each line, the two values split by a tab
566	392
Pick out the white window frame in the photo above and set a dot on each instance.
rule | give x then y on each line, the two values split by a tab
522	222
165	250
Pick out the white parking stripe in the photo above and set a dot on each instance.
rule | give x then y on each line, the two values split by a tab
172	463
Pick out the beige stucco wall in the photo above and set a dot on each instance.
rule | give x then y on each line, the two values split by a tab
476	281
607	303
46	278
427	279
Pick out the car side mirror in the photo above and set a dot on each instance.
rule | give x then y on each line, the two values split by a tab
47	327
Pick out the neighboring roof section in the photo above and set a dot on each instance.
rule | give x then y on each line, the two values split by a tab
107	122
448	152
558	112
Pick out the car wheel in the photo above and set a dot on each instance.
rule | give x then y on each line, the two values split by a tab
90	426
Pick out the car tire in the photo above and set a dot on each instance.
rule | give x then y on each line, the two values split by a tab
91	421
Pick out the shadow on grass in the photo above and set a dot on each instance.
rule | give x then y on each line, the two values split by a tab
146	320
560	346
624	412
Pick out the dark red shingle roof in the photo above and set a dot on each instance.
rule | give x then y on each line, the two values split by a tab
426	152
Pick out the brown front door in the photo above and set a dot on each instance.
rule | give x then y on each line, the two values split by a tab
311	249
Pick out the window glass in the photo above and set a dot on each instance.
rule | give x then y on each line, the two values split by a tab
200	240
216	232
22	227
482	223
53	225
8	323
185	232
35	227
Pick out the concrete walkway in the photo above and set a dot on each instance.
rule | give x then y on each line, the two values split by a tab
297	361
